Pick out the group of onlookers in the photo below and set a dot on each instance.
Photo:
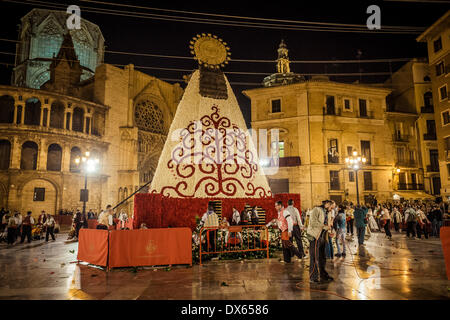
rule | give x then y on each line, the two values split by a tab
14	227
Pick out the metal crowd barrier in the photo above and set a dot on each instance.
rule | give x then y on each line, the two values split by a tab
230	239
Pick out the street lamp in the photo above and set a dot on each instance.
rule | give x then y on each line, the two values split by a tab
355	162
89	166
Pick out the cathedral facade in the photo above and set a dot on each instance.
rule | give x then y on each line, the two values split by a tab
66	102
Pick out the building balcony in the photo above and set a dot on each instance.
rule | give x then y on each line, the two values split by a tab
431	168
400	137
429	136
332	159
427	109
331	111
406	163
282	162
335	186
410	186
370	187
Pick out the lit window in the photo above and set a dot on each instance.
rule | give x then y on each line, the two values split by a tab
347	105
281	149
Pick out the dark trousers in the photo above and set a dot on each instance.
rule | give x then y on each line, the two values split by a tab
317	259
212	240
350	226
422	229
396	226
12	235
289	250
49	232
387	228
297	234
18	233
26	232
361	232
77	228
411	228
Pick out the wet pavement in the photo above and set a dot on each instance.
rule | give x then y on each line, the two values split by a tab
388	270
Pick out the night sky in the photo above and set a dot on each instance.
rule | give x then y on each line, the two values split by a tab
133	34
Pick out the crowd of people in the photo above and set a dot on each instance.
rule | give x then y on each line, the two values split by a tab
15	227
328	227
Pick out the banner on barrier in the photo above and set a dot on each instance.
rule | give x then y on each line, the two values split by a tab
150	247
93	246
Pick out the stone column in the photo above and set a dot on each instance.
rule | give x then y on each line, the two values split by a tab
42	155
49	109
15	113
84	123
65	161
15	154
41	122
22	120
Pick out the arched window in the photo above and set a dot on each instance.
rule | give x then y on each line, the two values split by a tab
75	152
119	196
28	159
125	193
149	117
54	156
6	109
5	152
33	112
428	99
78	119
57	115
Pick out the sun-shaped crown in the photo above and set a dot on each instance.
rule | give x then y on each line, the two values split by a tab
210	51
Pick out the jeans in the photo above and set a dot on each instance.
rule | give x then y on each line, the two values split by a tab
317	259
387	228
396	226
438	227
361	232
434	228
329	250
340	236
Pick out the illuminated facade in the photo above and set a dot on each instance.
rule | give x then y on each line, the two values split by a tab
121	116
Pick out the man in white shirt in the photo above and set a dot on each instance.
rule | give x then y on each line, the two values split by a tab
27	224
297	225
236	217
50	225
285	225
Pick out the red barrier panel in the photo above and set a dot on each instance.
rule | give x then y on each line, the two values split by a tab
93	246
445	240
64	219
150	247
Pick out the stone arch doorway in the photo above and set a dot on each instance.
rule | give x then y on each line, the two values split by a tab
38	195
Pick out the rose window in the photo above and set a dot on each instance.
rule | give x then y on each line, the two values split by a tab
149	117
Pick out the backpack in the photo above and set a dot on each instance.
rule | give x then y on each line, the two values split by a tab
412	216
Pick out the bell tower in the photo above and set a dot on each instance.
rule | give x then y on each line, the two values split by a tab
283	59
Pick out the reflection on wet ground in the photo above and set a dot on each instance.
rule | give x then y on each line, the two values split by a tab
383	269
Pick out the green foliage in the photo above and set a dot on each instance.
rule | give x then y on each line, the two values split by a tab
250	240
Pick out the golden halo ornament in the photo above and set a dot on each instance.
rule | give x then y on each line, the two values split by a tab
210	51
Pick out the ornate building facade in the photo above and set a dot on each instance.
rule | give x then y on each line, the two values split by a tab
320	122
41	34
437	38
121	116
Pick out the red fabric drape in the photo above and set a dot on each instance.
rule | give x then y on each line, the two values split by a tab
162	212
150	247
445	240
93	246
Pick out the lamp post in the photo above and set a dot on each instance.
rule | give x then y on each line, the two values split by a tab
89	165
355	162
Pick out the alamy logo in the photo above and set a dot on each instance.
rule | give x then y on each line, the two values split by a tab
74	21
374	20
